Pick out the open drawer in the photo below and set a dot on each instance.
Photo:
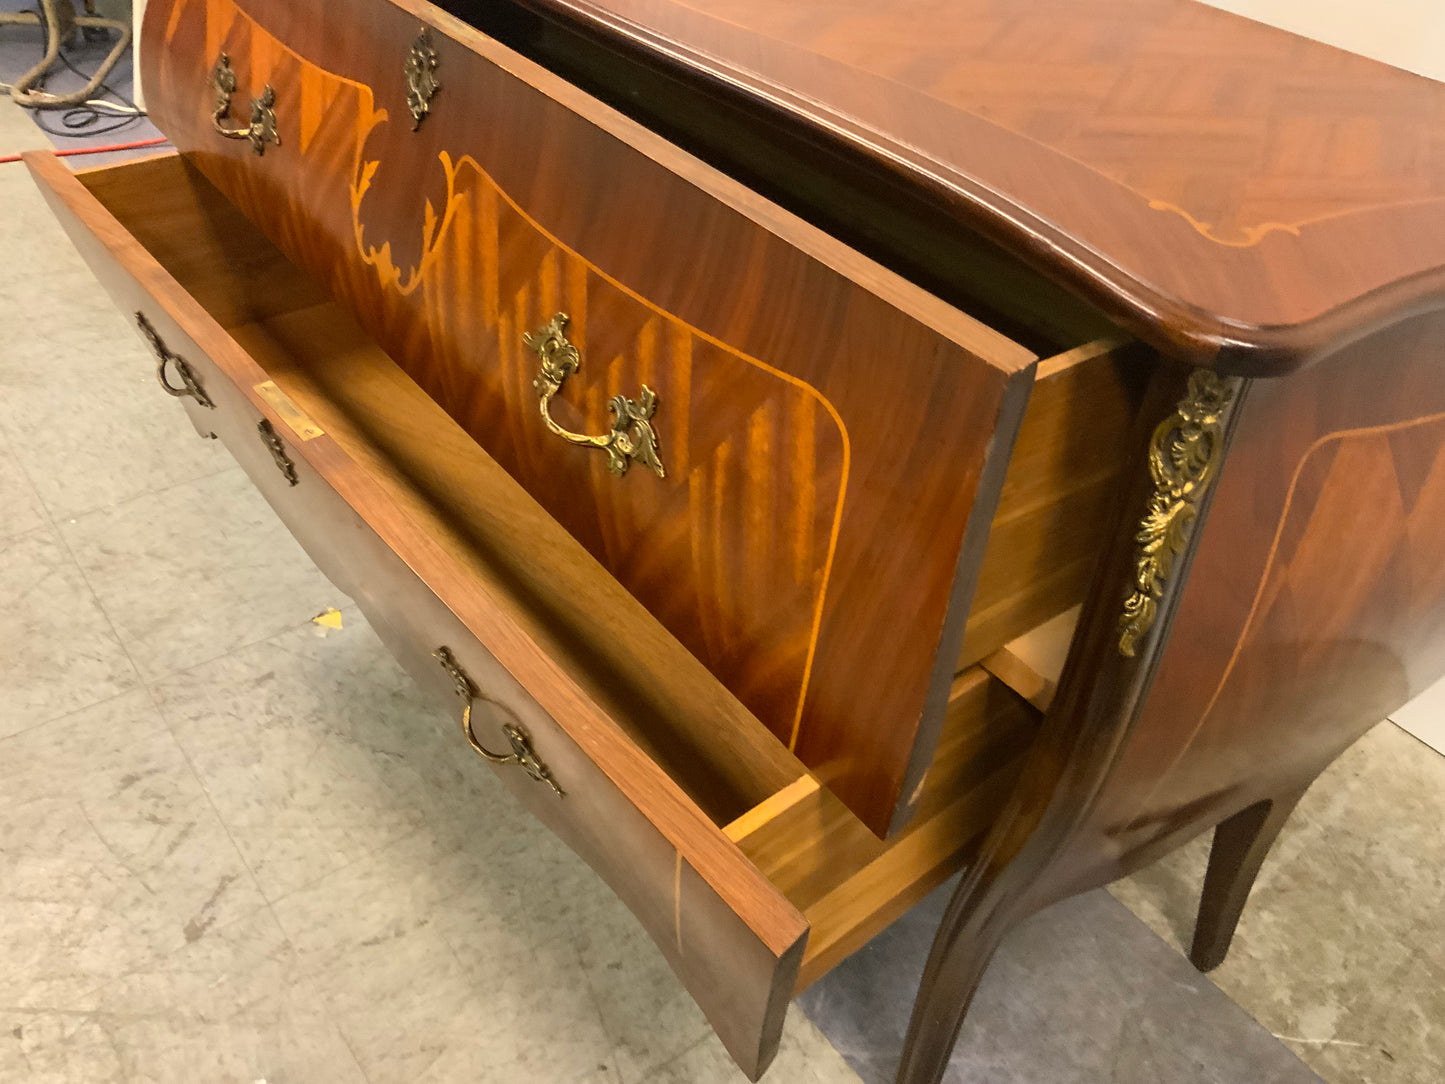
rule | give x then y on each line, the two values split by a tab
788	454
728	851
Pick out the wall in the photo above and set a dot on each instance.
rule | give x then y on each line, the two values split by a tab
1409	34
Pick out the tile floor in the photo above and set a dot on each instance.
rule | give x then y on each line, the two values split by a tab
237	846
1424	717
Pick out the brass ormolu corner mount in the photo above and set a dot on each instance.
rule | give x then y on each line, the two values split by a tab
1184	457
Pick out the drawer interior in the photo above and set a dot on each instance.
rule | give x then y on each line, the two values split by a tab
313	349
1060	494
815	518
847	882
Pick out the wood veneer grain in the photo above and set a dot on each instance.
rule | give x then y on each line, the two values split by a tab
1031	664
1234	194
1308	603
851	885
318	354
791	461
424	583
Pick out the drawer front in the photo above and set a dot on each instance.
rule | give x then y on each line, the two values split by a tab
794	456
266	441
734	941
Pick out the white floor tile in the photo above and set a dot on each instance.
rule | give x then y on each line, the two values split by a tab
1424	717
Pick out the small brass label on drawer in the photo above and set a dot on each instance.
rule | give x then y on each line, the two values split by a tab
300	423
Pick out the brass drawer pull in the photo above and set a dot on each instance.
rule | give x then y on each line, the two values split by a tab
421	80
164	357
522	753
632	436
272	440
262	129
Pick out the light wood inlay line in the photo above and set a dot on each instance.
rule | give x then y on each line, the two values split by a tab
677	901
1328	438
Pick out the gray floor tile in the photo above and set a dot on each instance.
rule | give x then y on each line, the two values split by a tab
98	434
57	650
232	1006
804	1057
57	1047
649	1017
79	400
1079	994
188	573
20	509
1342	945
500	1001
111	856
40	262
318	750
1424	717
18	132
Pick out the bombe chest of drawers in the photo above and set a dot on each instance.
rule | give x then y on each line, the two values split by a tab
815	448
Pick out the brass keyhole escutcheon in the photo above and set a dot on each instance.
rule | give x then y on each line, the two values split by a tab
272	440
421	78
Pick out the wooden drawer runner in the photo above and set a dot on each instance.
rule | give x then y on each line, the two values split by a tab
832	438
714	835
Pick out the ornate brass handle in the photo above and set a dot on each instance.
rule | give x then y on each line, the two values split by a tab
262	129
522	753
189	384
272	440
632	436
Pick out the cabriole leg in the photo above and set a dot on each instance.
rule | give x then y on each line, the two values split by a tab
977	919
1240	846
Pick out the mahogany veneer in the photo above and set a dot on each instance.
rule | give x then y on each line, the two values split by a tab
785	449
1235	194
752	877
785	688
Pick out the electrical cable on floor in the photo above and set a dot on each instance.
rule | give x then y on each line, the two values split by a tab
94	116
82	119
107	149
59	24
123	110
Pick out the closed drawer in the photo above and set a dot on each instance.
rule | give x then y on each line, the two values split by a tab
724	846
829	440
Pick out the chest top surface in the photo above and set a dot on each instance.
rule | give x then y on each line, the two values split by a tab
1241	195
